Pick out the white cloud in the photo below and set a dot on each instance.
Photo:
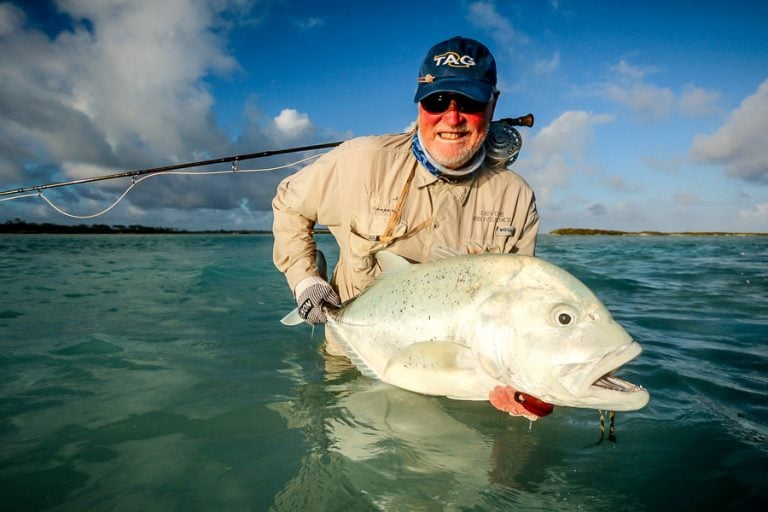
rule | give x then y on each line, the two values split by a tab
558	151
127	86
569	134
631	88
627	70
292	124
79	170
10	19
484	15
547	66
739	145
698	102
121	86
647	100
309	23
758	214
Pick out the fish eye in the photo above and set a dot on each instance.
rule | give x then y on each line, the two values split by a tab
564	315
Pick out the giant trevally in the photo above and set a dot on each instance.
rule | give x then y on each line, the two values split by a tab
515	330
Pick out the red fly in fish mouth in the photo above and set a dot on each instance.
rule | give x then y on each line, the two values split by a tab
533	404
518	403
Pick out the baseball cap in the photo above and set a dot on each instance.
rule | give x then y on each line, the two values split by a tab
459	65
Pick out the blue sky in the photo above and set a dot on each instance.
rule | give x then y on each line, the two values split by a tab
649	115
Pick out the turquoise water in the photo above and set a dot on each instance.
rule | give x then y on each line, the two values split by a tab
152	373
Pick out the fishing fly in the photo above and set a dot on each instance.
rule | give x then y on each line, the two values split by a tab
611	429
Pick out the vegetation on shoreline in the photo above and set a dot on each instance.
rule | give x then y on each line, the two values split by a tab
609	232
18	226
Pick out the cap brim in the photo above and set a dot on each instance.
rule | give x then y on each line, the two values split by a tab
475	89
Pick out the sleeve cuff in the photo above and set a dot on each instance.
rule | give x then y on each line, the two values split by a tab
306	283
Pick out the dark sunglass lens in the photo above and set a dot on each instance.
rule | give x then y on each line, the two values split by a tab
436	103
439	103
469	105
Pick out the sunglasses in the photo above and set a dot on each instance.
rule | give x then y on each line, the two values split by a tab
439	102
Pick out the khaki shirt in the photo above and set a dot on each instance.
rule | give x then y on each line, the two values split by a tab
354	190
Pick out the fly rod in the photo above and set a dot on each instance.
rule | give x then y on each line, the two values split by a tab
159	170
526	120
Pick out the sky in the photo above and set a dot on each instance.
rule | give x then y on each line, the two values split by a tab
649	115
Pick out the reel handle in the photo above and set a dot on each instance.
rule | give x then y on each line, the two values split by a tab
526	120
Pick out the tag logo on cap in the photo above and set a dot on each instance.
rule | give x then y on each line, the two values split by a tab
454	60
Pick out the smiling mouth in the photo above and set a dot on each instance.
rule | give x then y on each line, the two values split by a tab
452	135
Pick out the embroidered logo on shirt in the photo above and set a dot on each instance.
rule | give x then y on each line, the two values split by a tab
454	60
505	230
495	216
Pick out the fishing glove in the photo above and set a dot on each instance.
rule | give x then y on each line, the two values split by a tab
311	294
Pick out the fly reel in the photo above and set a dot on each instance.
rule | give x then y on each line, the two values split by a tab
503	143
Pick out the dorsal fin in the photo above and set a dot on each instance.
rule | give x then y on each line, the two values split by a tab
441	252
391	263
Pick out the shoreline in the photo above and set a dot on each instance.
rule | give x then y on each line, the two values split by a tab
609	232
18	227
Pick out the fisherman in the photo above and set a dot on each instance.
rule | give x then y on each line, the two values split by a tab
407	193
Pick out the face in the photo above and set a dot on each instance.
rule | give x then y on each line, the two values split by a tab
453	137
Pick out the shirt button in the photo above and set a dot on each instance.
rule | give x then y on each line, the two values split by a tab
436	225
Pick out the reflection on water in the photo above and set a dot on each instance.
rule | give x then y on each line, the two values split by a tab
376	447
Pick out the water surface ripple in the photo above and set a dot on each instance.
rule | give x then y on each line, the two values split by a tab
151	373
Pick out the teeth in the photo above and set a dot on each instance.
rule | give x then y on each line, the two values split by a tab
616	384
451	136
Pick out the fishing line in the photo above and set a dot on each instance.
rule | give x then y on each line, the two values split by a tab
136	180
502	147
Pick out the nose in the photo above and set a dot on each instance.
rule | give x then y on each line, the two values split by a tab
452	115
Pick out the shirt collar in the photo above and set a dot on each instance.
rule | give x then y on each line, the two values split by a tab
460	189
449	175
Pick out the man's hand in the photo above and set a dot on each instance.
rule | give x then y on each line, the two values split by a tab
311	294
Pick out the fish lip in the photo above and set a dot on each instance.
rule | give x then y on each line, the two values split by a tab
592	383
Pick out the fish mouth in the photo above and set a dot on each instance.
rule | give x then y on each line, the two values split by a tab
592	384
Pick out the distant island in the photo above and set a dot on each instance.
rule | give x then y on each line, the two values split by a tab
18	226
583	231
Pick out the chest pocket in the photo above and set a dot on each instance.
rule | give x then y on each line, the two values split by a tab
368	235
372	233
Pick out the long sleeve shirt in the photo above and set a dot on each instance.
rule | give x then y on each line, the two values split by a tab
357	191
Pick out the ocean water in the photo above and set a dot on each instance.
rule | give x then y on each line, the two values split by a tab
152	373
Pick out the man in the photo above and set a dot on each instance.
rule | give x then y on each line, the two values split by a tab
407	193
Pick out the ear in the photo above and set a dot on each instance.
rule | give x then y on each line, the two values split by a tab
414	126
492	103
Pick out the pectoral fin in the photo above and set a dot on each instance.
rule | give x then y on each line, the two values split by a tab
439	368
